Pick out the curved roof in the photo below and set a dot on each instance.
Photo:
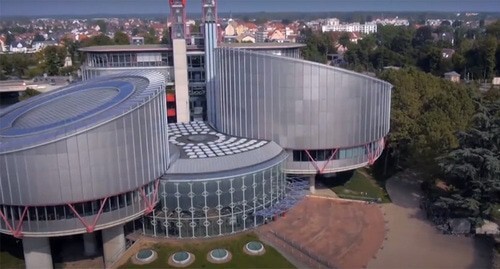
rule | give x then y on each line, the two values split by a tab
161	47
73	109
263	46
205	153
298	60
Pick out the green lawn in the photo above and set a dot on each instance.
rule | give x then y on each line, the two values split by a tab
11	253
271	259
360	186
8	260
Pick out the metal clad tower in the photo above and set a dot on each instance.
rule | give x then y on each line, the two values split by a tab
210	32
178	18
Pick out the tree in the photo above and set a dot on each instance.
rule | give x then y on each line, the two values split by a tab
38	38
196	28
150	37
29	92
53	59
422	36
166	38
318	45
120	38
9	39
494	29
344	39
472	170
98	40
426	113
103	27
456	23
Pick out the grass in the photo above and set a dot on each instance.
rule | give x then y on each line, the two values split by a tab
8	260
360	185
11	253
271	259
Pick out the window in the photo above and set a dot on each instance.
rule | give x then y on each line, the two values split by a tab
196	61
316	155
196	76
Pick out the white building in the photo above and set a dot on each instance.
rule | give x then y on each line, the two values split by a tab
333	25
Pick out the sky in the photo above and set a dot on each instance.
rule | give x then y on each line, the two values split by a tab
89	7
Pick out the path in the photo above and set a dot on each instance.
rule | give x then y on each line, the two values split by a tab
412	242
332	232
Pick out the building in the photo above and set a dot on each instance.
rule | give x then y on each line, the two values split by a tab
452	76
334	25
137	40
82	159
106	60
447	53
247	123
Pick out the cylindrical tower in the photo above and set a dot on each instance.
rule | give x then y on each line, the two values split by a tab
329	119
83	158
210	33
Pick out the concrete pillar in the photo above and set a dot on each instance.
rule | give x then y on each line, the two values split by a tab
312	184
37	252
181	80
113	240
89	244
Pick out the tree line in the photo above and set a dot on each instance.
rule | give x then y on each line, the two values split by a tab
476	51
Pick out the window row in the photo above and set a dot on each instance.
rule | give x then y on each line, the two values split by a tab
130	59
89	208
326	154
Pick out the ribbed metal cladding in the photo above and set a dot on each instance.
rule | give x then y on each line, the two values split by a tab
113	157
296	103
210	31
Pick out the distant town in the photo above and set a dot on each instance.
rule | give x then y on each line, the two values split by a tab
342	140
30	36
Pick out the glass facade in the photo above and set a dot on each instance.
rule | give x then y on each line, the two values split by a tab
48	218
214	207
340	154
197	86
129	59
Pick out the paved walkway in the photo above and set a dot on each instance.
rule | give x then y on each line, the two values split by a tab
412	242
333	232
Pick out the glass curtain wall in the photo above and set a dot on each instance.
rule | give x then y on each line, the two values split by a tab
214	207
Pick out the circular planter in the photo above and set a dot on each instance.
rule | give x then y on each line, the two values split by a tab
254	248
181	259
219	255
145	256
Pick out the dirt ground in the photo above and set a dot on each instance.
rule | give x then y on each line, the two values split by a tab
346	234
412	242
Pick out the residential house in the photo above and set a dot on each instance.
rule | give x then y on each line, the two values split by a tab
276	36
246	38
447	53
452	76
261	35
2	44
18	47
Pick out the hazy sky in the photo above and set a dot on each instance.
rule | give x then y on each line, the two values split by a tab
89	7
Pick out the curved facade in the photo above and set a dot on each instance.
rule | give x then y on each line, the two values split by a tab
217	184
84	157
215	206
329	119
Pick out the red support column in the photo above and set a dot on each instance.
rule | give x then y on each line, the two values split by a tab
150	203
18	231
369	154
6	222
329	159
313	161
90	228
